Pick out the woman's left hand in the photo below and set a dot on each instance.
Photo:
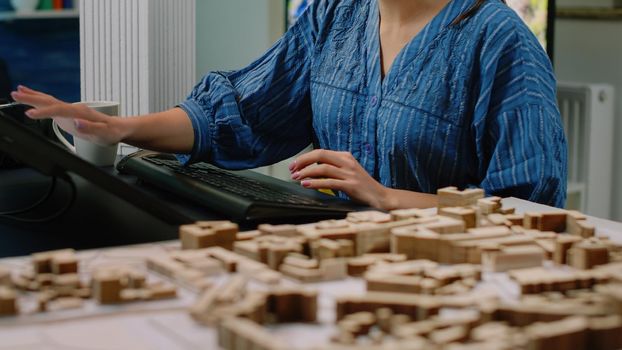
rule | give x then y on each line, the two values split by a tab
339	171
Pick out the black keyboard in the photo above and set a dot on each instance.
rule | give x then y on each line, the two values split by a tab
237	195
232	183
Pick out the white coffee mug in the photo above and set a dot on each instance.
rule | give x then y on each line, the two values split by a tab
96	154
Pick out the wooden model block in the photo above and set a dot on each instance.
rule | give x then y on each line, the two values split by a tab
468	216
563	243
358	266
247	235
452	197
403	214
228	259
446	225
376	217
551	221
455	334
570	333
375	238
278	230
259	272
42	262
587	254
490	205
605	332
159	292
252	249
278	252
293	304
512	258
325	249
241	334
5	277
415	242
8	302
576	224
64	263
418	308
207	234
394	283
107	287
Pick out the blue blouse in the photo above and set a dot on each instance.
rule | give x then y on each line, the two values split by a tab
468	105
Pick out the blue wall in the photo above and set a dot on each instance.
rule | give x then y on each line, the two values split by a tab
43	54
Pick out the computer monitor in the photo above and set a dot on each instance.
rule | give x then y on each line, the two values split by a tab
26	146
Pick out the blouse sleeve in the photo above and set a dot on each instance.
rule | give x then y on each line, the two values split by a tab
261	114
520	141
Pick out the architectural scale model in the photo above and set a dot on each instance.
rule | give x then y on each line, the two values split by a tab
423	271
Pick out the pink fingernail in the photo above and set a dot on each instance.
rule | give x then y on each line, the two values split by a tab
77	124
29	113
296	175
306	184
292	166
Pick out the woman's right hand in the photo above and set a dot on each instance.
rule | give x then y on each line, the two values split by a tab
78	120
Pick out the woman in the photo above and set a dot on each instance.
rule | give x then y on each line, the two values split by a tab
401	96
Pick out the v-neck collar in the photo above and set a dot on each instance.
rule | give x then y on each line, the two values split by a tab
412	49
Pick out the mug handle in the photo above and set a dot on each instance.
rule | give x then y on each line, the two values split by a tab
62	138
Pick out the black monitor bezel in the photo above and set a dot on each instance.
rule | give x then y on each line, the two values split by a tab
51	159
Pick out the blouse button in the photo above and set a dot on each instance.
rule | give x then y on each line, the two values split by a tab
368	148
374	101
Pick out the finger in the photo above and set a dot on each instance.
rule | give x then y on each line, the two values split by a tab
319	171
319	184
27	90
32	99
318	156
56	110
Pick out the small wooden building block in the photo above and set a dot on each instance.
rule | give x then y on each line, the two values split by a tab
452	197
5	276
228	259
586	255
293	304
563	243
403	214
418	308
358	266
576	224
42	262
467	215
372	216
490	205
569	333
513	258
206	234
278	230
63	263
377	282
107	287
247	235
8	301
605	332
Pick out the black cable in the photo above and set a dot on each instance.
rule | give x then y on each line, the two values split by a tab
51	217
36	204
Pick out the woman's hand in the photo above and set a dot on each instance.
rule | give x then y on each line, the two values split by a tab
339	171
78	120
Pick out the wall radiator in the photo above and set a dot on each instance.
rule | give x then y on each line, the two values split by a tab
140	53
587	112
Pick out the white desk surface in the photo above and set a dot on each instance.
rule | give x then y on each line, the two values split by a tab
167	325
